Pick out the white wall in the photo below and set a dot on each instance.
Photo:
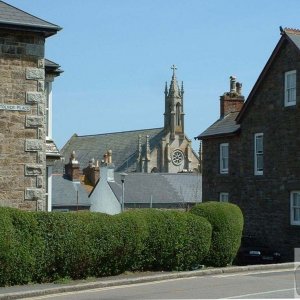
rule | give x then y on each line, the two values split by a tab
103	199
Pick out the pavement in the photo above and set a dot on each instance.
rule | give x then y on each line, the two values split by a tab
33	290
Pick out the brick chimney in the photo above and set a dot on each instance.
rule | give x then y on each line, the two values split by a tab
92	172
72	169
232	101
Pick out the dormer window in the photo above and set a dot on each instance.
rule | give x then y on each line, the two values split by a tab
290	88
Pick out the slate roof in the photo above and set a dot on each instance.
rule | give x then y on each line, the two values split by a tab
223	126
294	35
123	145
52	150
64	192
163	187
14	18
287	34
52	67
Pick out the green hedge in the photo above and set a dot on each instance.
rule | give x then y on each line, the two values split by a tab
42	247
227	225
169	240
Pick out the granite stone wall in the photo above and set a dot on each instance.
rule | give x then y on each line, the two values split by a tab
264	199
22	120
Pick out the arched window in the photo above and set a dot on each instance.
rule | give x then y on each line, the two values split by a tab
178	110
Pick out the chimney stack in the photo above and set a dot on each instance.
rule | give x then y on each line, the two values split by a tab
92	172
72	169
232	101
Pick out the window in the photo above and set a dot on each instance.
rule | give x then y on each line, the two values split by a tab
224	158
224	197
48	114
259	154
178	115
49	187
290	88
177	157
295	208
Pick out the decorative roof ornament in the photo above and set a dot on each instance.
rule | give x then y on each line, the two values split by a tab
73	159
174	88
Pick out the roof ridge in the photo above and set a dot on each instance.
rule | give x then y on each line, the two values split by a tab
291	30
47	25
107	133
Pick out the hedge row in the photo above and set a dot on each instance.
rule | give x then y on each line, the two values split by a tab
42	247
227	224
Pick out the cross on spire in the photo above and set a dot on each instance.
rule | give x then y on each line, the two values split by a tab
174	68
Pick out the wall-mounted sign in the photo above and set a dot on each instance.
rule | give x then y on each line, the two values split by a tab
4	106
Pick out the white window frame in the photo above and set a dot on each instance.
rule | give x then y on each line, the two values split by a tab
290	91
48	193
223	159
224	197
258	153
48	109
293	207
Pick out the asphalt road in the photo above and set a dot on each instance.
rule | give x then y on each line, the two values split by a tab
250	285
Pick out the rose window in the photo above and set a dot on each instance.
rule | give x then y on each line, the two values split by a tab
177	157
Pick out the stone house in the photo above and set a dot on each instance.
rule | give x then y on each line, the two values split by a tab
165	149
26	148
250	155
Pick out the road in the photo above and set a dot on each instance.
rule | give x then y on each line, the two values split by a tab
251	285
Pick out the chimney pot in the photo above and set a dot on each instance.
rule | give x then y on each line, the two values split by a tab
232	84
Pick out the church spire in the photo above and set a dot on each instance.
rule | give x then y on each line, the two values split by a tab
174	88
174	116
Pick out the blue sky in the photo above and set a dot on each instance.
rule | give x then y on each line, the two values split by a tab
116	56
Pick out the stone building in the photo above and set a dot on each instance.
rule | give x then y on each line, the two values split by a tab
25	109
251	153
165	149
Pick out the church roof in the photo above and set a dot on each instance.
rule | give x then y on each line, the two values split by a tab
223	126
162	187
14	18
124	146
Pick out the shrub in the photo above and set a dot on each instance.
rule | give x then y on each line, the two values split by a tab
170	240
227	226
42	247
19	246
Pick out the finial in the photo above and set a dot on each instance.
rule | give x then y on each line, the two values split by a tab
174	68
281	29
166	88
182	90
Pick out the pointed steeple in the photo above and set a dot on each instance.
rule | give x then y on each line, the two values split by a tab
166	89
174	88
174	116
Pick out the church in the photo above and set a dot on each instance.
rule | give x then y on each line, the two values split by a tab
155	150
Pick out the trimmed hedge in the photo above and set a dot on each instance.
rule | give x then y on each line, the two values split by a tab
42	247
169	240
227	225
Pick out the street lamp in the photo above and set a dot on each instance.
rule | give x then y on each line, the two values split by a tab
123	175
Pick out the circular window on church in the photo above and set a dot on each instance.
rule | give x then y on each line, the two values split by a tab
177	157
